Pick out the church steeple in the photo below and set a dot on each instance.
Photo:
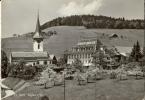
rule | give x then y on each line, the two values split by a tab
38	33
38	38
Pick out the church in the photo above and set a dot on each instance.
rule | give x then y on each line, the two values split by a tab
38	55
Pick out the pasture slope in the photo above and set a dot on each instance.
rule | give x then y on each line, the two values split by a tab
68	36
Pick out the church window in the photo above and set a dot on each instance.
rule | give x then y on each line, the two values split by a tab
38	46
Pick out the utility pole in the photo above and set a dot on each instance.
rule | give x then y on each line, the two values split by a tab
144	49
95	78
95	58
64	84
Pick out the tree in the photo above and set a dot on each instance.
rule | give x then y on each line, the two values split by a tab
4	64
54	61
61	62
136	53
20	67
78	65
132	54
99	59
44	98
99	44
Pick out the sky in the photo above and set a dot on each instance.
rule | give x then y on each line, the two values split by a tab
19	16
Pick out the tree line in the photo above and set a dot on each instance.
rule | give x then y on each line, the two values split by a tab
93	21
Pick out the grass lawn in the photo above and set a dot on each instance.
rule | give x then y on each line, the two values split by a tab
3	93
11	82
105	90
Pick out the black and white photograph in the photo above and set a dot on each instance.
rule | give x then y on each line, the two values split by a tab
72	50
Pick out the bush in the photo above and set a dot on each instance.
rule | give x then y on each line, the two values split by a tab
99	75
122	76
24	72
44	98
113	75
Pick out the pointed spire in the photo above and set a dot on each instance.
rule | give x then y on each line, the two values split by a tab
38	24
38	28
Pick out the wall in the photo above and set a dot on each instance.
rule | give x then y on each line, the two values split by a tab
35	46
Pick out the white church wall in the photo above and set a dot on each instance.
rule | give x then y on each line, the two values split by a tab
35	46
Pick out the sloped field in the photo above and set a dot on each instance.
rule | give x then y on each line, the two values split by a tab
68	36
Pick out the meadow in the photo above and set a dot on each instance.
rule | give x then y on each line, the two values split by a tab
68	36
103	90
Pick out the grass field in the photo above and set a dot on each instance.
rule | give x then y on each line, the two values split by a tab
105	90
68	36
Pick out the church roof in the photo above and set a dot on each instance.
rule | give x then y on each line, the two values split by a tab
38	33
29	54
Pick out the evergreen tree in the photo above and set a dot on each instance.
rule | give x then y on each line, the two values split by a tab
4	63
132	55
98	45
138	54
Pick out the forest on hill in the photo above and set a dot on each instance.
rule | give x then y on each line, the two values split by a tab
93	21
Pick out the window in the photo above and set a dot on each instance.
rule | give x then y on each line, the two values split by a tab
37	62
45	62
108	58
38	46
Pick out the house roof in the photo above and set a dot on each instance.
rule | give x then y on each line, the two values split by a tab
51	56
29	54
124	50
113	35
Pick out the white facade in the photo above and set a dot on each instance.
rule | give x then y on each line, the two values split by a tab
85	61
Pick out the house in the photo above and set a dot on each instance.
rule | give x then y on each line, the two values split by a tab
123	53
38	55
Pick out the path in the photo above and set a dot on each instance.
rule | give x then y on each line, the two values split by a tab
7	91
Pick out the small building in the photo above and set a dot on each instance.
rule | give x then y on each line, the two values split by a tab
113	36
121	54
38	55
53	59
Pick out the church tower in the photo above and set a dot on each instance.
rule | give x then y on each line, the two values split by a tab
38	38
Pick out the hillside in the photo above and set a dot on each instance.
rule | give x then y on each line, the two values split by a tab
89	22
94	21
68	36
